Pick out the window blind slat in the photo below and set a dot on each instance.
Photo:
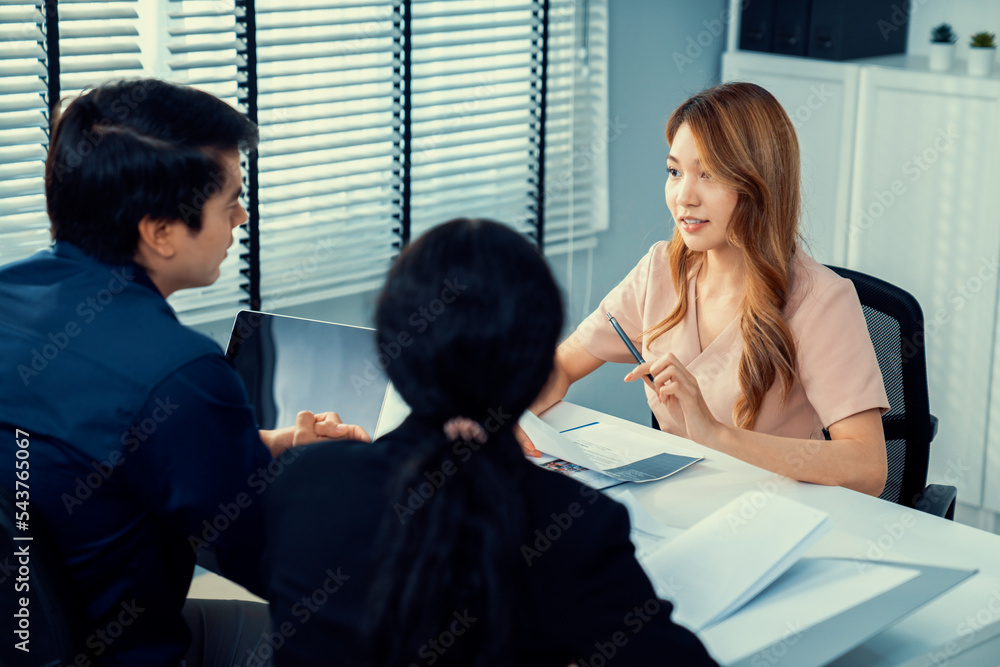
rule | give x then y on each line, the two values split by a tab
20	86
29	200
325	96
374	143
307	38
99	30
220	60
479	156
325	50
91	72
98	48
24	69
10	49
276	7
203	46
94	11
356	123
325	65
274	86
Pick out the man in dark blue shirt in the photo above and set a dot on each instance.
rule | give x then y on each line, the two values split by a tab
141	444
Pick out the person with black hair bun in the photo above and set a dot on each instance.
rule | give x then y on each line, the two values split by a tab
440	543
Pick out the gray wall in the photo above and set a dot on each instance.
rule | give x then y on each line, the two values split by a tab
660	53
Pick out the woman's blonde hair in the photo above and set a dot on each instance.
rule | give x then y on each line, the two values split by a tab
747	143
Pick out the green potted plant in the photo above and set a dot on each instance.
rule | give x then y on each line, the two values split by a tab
943	40
982	53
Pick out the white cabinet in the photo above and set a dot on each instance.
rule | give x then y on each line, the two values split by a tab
925	215
911	186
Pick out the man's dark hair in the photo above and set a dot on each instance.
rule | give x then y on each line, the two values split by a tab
128	149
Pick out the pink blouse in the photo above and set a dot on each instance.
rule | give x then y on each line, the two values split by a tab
837	371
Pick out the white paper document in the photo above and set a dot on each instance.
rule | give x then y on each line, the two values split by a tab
727	558
647	533
608	450
810	592
591	478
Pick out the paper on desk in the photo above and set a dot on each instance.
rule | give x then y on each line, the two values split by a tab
591	478
646	532
810	592
550	441
727	558
591	447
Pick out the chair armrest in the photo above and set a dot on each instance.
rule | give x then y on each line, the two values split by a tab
939	500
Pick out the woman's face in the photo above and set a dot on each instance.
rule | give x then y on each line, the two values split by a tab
701	208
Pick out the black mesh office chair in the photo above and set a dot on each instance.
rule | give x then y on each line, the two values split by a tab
896	326
53	630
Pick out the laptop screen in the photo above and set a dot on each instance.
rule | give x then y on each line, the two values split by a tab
290	364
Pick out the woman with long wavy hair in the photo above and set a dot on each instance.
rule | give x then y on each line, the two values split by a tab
754	347
440	543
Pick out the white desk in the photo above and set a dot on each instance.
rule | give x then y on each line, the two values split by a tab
960	628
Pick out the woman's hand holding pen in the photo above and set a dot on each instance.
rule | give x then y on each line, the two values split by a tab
679	392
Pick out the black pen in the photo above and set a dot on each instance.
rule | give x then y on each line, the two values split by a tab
628	343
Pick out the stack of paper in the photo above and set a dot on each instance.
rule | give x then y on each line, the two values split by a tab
723	561
601	449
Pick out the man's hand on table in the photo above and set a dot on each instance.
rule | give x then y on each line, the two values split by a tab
310	428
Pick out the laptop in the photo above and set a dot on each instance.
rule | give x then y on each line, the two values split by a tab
289	364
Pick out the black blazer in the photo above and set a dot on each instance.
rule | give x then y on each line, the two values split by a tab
581	595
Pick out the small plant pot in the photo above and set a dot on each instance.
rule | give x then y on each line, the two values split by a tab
942	56
981	60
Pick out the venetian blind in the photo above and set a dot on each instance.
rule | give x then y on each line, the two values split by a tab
378	120
577	128
472	122
326	80
24	226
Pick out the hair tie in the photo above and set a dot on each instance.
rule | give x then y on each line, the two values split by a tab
465	429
